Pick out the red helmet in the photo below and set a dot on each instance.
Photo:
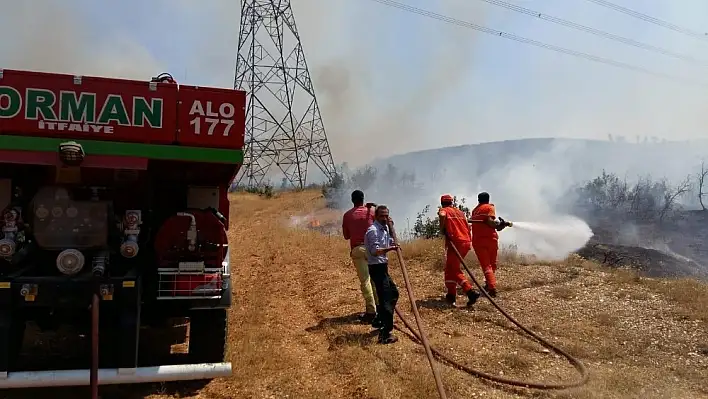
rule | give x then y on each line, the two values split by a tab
446	198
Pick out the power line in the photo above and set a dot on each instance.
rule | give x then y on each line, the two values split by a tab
594	31
536	43
655	21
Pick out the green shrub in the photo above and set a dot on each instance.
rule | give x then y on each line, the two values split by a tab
429	227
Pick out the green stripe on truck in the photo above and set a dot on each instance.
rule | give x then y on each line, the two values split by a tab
151	151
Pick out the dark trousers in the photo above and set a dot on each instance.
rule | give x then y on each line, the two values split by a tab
387	292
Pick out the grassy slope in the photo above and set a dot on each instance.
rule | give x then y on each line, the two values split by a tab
291	333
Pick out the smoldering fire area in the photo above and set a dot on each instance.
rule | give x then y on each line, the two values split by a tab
635	215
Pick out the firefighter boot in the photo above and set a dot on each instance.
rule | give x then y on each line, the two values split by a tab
472	297
450	299
492	292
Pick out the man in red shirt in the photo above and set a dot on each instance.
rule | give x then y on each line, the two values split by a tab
355	222
485	239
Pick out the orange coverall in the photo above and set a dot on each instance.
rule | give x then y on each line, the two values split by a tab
454	222
485	242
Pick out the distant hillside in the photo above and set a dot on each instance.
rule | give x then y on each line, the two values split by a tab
581	159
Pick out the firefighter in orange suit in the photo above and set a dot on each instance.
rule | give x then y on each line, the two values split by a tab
456	230
485	239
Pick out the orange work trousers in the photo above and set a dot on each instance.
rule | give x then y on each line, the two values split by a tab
453	273
486	251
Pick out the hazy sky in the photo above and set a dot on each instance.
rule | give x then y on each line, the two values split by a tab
390	81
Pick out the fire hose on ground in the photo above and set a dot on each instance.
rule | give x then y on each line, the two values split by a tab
431	352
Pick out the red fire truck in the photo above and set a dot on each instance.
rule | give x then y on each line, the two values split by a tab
114	217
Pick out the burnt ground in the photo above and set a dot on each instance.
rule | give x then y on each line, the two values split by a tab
651	262
675	248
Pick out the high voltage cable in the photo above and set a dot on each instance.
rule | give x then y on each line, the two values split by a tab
594	31
520	39
655	21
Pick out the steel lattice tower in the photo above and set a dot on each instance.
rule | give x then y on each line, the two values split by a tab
283	123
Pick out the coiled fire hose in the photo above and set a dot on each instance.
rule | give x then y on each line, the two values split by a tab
430	351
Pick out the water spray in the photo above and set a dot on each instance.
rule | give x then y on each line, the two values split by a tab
553	239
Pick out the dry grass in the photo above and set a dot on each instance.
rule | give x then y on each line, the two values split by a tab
292	332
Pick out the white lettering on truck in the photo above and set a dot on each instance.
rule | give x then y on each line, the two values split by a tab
224	116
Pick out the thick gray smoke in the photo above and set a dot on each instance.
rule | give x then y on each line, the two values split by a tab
396	79
450	85
57	36
534	182
391	82
544	94
378	95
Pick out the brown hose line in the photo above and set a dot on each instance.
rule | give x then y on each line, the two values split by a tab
501	380
423	338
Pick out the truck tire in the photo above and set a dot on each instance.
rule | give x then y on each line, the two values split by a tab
207	335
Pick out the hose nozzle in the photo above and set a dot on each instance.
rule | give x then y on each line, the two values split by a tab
502	224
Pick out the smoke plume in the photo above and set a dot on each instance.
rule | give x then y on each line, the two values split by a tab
495	90
390	82
57	36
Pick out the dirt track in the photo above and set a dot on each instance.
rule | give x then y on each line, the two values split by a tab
293	335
